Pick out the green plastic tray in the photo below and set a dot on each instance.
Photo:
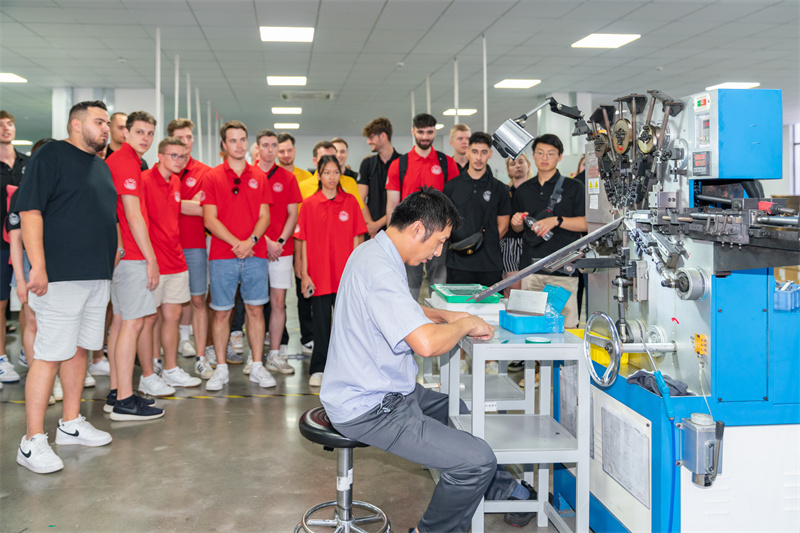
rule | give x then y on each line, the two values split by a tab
461	293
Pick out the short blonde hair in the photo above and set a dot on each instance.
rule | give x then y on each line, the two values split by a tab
530	167
458	127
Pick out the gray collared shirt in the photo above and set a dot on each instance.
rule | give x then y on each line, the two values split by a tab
368	355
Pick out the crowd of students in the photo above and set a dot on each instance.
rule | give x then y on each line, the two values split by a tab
89	223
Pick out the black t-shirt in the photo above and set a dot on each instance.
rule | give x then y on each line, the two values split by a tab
12	221
350	172
472	198
373	174
533	198
9	176
75	193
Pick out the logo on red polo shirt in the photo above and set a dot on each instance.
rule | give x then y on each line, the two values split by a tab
277	187
130	184
344	216
297	228
177	196
191	182
202	195
436	169
253	183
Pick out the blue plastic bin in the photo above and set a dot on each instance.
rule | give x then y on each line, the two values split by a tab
557	297
521	324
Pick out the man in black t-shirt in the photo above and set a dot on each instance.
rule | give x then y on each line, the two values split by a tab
566	221
479	197
67	203
372	175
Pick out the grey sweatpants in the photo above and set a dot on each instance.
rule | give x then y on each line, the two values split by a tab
415	427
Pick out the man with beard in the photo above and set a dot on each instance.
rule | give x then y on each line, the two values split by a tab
372	175
421	166
67	204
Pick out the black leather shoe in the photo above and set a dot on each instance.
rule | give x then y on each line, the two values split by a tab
521	519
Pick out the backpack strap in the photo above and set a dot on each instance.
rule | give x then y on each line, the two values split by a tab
556	196
403	168
442	163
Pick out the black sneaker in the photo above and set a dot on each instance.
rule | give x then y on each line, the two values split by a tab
521	519
111	399
135	408
516	366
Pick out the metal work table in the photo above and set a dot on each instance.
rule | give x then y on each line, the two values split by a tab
532	437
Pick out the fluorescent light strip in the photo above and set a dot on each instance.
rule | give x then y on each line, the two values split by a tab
735	85
22	143
286	34
8	77
286	80
509	83
605	40
286	125
462	112
439	125
287	110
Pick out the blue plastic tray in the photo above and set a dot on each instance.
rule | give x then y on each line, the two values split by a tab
521	324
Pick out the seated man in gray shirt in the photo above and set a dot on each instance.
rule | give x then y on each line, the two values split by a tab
369	389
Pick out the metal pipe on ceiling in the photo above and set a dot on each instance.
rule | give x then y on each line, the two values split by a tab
189	96
159	118
485	88
210	135
177	85
455	89
199	119
413	104
428	93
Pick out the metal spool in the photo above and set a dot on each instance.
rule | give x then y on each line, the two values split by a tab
621	135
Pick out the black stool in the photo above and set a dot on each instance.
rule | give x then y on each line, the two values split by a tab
316	427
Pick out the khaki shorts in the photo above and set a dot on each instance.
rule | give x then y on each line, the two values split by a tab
172	289
69	315
536	282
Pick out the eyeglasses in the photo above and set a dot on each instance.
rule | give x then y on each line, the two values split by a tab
235	190
176	157
548	154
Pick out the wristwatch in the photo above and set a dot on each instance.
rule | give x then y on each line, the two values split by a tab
560	221
280	240
254	238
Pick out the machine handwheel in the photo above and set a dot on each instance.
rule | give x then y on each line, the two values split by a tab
615	353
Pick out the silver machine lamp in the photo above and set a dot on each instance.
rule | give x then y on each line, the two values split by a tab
511	139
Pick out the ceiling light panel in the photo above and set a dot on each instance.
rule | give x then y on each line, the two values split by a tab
286	125
287	110
286	34
8	77
606	40
510	83
462	112
286	80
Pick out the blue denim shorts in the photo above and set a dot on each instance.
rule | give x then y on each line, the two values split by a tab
226	274
197	261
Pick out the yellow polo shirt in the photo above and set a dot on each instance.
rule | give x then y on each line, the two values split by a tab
311	185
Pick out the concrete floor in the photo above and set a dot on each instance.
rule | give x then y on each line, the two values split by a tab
233	460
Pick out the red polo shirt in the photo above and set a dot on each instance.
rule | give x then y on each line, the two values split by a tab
285	191
238	212
164	199
328	227
125	166
193	232
421	171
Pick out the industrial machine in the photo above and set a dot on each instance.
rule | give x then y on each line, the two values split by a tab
680	253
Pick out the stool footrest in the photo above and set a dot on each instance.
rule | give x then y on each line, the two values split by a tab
379	518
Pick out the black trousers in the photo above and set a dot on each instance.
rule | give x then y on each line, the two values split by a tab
303	313
322	318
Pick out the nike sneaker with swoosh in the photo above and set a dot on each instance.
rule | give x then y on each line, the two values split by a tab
37	456
79	431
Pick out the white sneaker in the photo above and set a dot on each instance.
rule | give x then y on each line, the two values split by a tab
157	366
492	368
261	375
79	431
58	391
100	368
307	348
37	456
21	360
202	368
248	364
153	385
51	401
7	372
315	380
89	380
219	379
237	341
276	363
187	348
177	377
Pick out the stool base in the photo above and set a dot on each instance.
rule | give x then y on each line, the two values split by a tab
338	525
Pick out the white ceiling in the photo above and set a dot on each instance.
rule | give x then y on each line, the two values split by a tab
359	45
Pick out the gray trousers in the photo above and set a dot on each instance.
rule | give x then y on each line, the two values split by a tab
415	427
436	270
